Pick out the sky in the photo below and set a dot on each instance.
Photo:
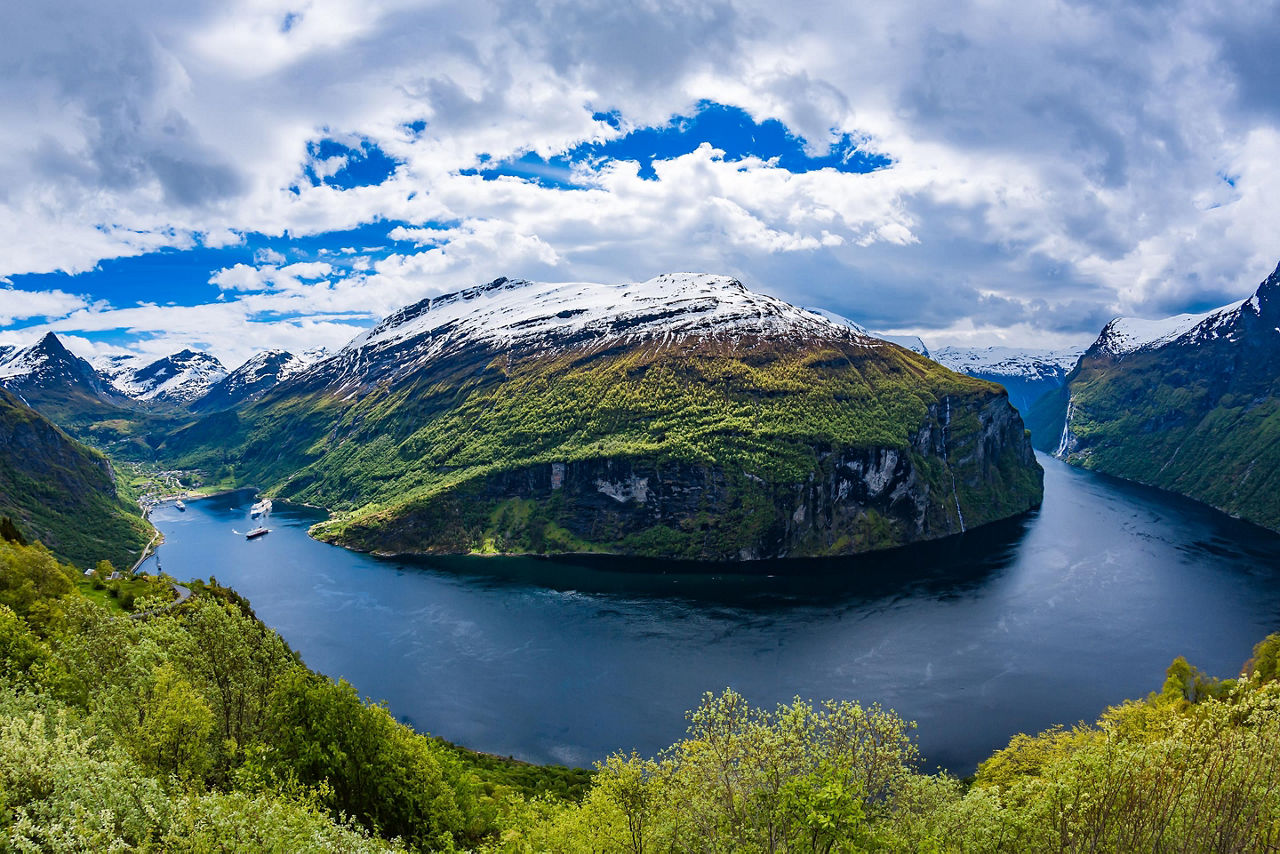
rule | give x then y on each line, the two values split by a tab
233	176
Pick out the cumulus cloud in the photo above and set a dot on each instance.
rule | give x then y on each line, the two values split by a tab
1051	163
17	304
243	277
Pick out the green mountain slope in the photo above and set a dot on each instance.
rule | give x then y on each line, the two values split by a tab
725	442
1196	412
62	493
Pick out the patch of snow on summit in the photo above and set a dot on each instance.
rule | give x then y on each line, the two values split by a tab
1129	334
509	312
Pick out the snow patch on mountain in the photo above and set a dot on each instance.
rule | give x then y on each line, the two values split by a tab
1125	335
21	363
179	378
1028	364
267	365
112	368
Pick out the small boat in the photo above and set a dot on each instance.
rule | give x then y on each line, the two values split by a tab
257	532
262	508
180	505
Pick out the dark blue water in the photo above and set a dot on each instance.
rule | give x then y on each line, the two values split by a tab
1008	629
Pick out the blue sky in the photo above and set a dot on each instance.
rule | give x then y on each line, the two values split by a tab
243	175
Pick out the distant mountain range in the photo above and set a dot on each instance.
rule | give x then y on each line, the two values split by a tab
198	382
685	416
50	375
1027	374
1190	404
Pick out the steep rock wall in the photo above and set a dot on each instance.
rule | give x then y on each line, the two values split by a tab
970	463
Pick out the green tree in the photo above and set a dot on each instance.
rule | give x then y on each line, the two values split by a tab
10	532
20	649
389	778
236	661
32	581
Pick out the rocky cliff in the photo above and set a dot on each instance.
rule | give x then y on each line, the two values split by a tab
969	464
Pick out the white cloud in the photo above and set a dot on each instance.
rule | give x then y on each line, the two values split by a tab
269	256
18	304
1052	163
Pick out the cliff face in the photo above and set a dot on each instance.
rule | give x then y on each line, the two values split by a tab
971	463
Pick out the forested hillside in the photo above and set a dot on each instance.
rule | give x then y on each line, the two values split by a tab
63	493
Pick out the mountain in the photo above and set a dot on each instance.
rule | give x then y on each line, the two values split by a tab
63	493
1027	374
685	416
47	365
252	379
6	350
181	378
59	384
1190	404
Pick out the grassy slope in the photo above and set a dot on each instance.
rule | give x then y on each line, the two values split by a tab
1170	425
62	493
1202	424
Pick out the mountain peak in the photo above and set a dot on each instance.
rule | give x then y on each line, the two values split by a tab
507	313
52	345
48	364
177	378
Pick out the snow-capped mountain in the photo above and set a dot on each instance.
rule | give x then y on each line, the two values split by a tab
112	368
1125	335
260	373
518	316
48	365
1009	361
1188	403
1025	373
180	378
6	350
682	416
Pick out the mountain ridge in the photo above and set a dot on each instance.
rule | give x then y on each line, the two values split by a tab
63	493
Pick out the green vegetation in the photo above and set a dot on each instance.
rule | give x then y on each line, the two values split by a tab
434	463
197	728
1201	419
64	494
124	593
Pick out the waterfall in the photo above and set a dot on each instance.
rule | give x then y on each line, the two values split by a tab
1061	452
946	436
